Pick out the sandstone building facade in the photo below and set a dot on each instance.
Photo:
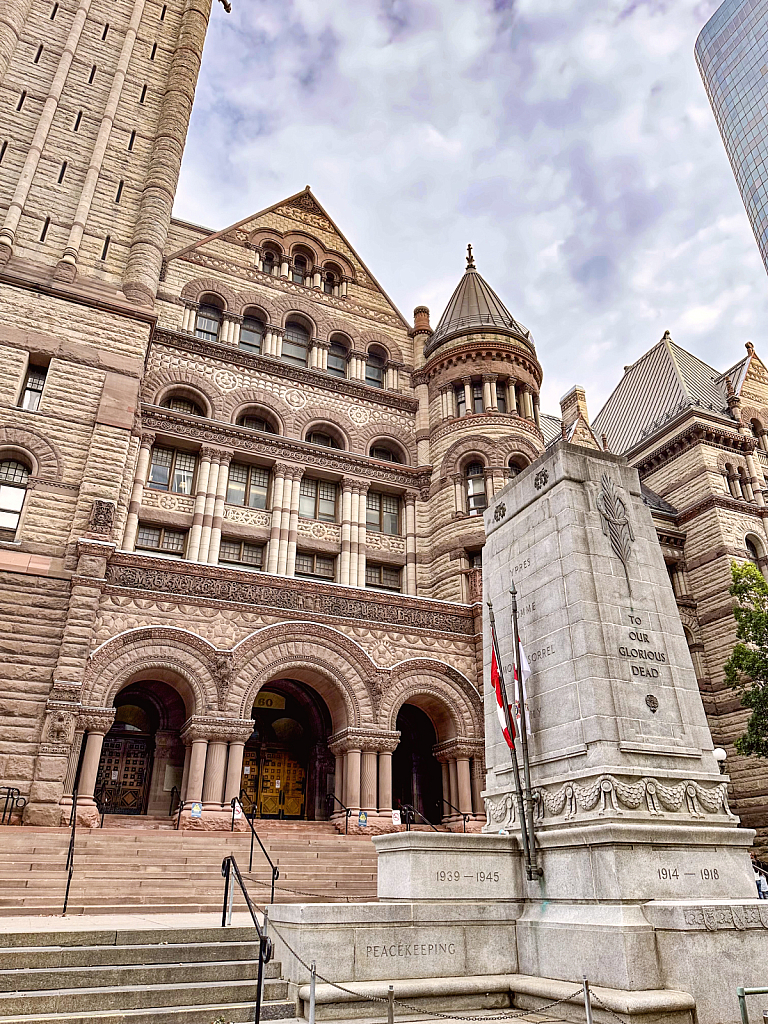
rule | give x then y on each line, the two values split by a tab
240	495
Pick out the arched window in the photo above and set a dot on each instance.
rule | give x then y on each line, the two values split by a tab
295	344
299	272
752	553
13	486
323	438
329	282
475	485
208	321
337	358
270	261
251	334
179	403
254	422
374	369
385	453
515	466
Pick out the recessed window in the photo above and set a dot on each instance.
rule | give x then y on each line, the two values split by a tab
119	192
160	538
251	334
242	552
299	271
163	12
143	93
337	359
2	150
13	484
78	119
256	423
475	477
62	172
105	247
374	371
268	262
295	344
131	141
54	12
208	323
171	470
153	51
46	225
104	33
321	438
177	403
23	96
248	485
515	467
317	500
475	559
329	283
379	451
477	397
92	75
39	54
752	552
501	397
320	567
32	392
383	577
382	513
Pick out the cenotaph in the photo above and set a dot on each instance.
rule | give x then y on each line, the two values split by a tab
645	882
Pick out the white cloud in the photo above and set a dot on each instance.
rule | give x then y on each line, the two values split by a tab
573	145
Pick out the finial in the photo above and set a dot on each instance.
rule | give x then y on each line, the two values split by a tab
750	348
226	5
470	258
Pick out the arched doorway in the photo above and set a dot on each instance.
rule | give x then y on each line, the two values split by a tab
288	770
142	757
416	772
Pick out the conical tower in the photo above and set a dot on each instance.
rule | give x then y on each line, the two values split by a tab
482	380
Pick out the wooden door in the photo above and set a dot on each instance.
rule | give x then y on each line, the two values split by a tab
281	785
249	782
124	771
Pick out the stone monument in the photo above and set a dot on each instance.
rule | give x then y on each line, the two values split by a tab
645	885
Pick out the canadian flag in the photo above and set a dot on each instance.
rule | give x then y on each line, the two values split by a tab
496	682
521	691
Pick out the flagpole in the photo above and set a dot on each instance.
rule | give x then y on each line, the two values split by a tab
535	869
512	749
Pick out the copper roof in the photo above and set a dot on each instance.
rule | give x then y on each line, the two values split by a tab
475	305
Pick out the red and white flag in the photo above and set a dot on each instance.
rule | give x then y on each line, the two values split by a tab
521	690
496	681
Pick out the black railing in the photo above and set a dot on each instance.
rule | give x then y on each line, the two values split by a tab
71	851
453	807
180	808
243	796
175	795
410	817
275	871
231	874
347	812
13	801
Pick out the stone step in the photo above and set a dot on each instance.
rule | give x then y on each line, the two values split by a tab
46	958
134	997
108	975
238	1013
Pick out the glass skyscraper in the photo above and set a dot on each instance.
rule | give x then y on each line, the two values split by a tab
732	54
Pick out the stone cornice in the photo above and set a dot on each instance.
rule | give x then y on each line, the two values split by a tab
276	446
714	435
300	599
264	364
722	501
478	351
480	420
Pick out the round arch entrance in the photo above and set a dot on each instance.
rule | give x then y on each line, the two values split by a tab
288	770
416	772
142	757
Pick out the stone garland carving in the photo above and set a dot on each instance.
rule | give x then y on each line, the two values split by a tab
607	792
217	585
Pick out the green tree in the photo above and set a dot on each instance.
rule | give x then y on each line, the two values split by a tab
747	667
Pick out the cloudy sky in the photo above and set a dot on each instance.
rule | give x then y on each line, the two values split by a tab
571	142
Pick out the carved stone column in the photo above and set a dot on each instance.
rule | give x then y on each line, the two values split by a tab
354	527
410	544
97	722
240	734
346	518
278	486
293	523
210	501
203	472
218	507
361	532
195	733
137	494
489	392
368	779
467	382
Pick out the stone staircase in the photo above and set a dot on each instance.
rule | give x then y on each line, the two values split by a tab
163	976
148	870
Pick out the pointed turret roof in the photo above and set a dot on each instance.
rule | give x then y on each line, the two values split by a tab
475	306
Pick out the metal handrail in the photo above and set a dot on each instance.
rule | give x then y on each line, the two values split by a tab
412	810
741	993
175	793
254	835
466	817
331	798
250	800
15	799
182	805
70	866
228	869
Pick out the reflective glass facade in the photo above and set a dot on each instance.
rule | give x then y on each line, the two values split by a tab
732	54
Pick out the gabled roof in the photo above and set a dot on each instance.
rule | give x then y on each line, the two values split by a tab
655	502
475	305
304	200
551	427
654	390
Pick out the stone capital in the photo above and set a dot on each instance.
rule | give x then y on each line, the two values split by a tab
98	720
363	739
207	452
147	440
490	378
216	730
459	748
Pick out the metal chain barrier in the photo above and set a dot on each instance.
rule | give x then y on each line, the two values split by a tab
301	892
417	1009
